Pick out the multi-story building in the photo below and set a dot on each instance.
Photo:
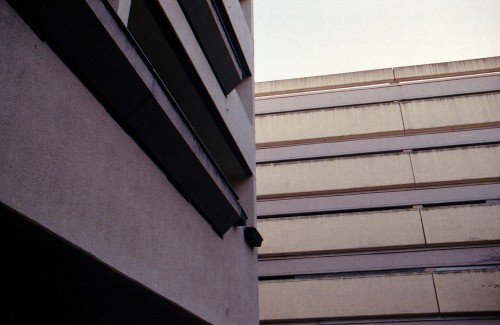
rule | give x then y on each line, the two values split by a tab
127	162
378	196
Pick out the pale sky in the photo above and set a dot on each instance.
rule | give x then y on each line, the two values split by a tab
301	38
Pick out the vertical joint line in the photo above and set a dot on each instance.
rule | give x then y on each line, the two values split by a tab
435	292
412	171
423	229
402	118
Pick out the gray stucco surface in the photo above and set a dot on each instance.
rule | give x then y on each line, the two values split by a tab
67	165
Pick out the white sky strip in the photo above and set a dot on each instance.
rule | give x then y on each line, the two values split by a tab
301	38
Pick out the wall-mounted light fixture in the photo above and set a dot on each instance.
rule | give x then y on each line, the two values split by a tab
252	237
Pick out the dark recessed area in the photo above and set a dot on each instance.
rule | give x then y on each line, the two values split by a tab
47	280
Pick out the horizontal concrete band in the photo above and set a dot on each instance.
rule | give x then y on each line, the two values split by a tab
344	297
382	295
377	145
361	231
343	123
389	171
379	76
408	320
377	200
379	261
209	29
450	112
446	69
375	135
377	94
341	80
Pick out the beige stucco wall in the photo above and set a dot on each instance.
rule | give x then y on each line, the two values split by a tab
447	69
327	124
324	82
456	165
333	175
345	297
451	112
349	231
468	291
462	223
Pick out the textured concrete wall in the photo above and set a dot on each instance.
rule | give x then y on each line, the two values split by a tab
351	231
347	297
461	224
328	124
334	175
456	165
468	291
447	69
67	165
451	112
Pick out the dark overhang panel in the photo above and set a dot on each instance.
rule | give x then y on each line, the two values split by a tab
147	113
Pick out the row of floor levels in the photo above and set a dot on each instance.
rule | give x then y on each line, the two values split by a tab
380	205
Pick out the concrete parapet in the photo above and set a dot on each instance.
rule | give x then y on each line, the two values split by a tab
328	124
343	123
347	297
456	165
335	175
341	80
351	174
447	69
378	76
450	113
468	291
349	231
461	224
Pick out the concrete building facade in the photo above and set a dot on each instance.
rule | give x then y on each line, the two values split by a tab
127	162
378	196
